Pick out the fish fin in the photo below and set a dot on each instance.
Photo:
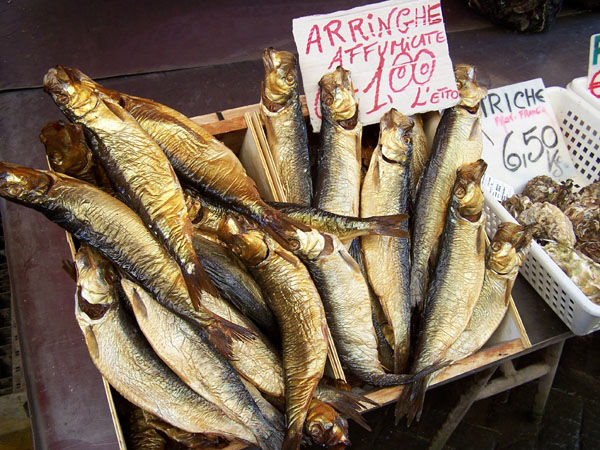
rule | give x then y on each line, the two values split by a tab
198	282
222	332
410	402
389	225
69	268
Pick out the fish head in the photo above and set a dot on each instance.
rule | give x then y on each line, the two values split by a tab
280	75
249	245
65	146
502	256
395	136
310	244
337	94
470	92
326	426
22	184
467	193
97	277
74	97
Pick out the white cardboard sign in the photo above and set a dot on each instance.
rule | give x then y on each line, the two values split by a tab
522	138
397	53
594	66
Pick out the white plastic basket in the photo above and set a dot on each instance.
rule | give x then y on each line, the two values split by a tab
579	86
580	124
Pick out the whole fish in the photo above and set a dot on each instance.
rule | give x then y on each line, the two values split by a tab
335	274
124	358
344	227
387	259
138	169
187	352
296	303
108	225
457	141
455	287
200	160
419	157
506	253
234	282
69	153
281	114
339	155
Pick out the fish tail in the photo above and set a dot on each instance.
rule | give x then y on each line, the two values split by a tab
281	227
410	403
198	282
347	403
293	436
222	333
393	225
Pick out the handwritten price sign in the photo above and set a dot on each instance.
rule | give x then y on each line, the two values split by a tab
396	51
522	138
594	66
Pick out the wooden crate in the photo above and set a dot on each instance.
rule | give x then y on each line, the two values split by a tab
232	128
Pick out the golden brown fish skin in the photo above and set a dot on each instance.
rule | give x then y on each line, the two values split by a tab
295	301
387	259
339	156
188	353
281	114
458	140
138	168
335	275
456	286
199	159
344	227
108	225
419	157
506	253
125	359
69	153
211	217
233	281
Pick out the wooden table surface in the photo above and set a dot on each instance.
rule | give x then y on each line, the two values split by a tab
198	59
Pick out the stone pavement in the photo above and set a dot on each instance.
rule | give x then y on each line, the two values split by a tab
570	421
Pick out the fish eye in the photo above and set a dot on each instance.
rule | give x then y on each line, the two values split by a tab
459	85
460	192
406	139
328	99
14	189
62	98
496	246
289	78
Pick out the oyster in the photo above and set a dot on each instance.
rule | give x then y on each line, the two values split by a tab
584	272
548	222
516	204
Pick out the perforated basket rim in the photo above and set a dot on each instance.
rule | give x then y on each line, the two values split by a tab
561	99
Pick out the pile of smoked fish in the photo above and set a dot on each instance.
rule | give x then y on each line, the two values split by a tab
212	310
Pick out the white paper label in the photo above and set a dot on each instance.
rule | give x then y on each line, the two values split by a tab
397	53
521	136
498	189
594	66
